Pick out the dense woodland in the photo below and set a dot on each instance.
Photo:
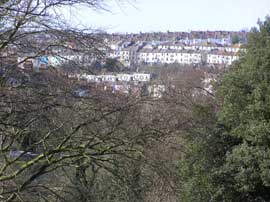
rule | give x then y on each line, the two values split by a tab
190	145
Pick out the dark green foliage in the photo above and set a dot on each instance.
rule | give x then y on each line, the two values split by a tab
235	39
231	159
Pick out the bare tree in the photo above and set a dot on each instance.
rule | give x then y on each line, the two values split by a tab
56	145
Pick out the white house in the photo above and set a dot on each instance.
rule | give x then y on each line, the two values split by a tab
124	77
169	56
156	90
122	55
141	77
218	57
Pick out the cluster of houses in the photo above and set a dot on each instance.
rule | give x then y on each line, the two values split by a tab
207	48
134	84
192	37
171	52
122	77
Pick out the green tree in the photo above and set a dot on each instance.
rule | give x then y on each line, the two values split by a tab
235	39
229	160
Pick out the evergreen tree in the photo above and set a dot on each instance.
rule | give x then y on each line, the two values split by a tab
230	159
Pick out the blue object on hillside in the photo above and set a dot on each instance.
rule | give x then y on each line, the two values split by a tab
43	60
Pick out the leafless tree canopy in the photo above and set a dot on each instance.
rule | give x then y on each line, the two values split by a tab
58	146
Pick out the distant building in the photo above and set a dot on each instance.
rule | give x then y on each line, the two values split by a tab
122	55
156	90
134	77
218	57
169	56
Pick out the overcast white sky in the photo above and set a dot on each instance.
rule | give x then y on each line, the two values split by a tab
175	15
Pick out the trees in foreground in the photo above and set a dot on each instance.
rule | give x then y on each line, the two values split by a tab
227	158
58	145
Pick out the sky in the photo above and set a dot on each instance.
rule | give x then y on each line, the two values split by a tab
136	16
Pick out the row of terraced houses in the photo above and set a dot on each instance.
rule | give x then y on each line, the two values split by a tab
167	53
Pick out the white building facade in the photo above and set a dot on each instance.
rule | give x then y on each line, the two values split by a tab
221	58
